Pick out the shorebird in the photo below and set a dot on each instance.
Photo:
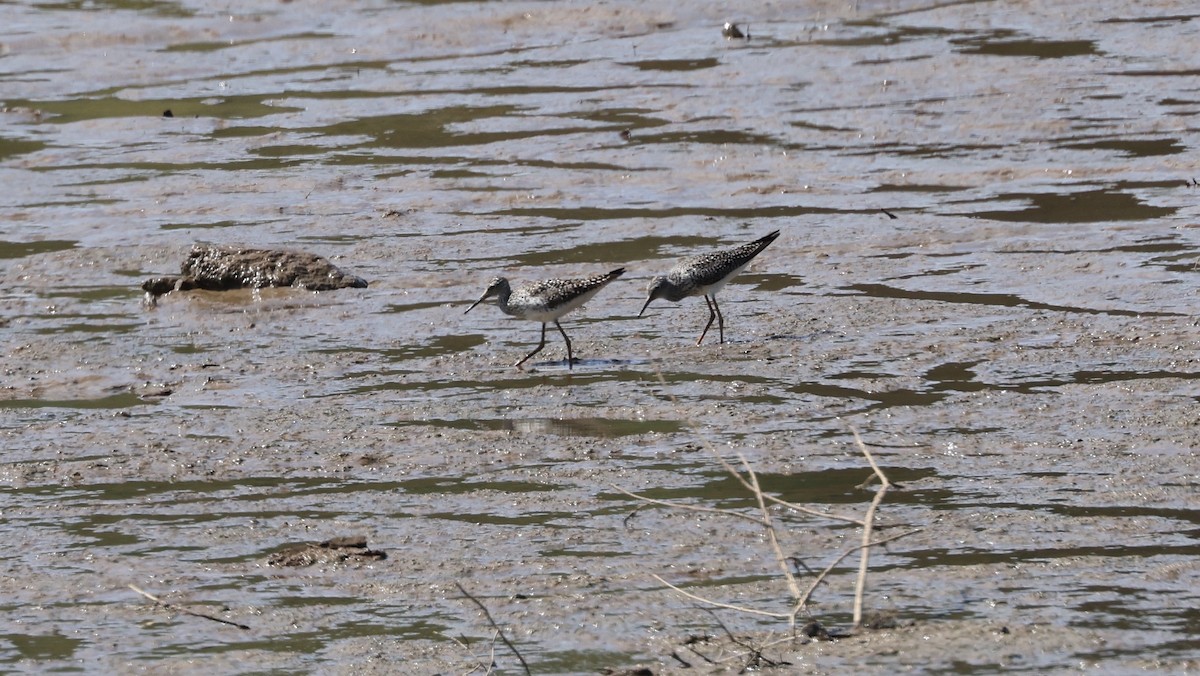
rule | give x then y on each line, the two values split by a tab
545	302
731	30
704	276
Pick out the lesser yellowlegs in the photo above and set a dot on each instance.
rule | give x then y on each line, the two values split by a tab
545	301
731	30
704	276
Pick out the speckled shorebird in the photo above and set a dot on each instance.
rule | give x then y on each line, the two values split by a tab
545	302
704	276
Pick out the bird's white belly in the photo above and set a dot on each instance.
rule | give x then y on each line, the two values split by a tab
717	285
545	314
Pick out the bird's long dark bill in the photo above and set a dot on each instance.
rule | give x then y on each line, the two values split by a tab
474	304
648	301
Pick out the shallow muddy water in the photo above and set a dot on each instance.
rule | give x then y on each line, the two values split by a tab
989	266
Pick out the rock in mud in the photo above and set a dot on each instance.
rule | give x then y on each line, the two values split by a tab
221	268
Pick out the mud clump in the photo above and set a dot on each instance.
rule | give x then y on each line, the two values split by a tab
219	268
352	549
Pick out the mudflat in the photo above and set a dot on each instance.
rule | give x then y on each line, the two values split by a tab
987	268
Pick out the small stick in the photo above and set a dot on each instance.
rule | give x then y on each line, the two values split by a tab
738	475
718	604
685	663
185	611
833	564
748	478
495	626
755	655
694	508
772	535
812	512
491	657
868	525
730	512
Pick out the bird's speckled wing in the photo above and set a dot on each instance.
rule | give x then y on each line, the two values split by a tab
708	269
549	299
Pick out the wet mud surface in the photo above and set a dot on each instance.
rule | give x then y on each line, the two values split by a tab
988	266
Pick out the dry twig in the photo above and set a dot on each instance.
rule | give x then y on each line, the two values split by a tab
839	558
491	664
495	626
185	611
868	525
748	478
718	604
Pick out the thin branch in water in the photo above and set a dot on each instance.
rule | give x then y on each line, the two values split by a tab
685	663
754	654
629	517
185	611
495	626
693	508
799	564
868	526
708	445
748	478
718	604
769	525
690	643
813	512
838	559
491	665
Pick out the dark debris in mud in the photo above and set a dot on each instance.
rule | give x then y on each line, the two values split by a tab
880	620
338	550
219	268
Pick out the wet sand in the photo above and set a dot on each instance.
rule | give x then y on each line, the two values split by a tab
1017	346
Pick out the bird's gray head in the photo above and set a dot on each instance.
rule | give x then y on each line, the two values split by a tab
656	289
497	287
